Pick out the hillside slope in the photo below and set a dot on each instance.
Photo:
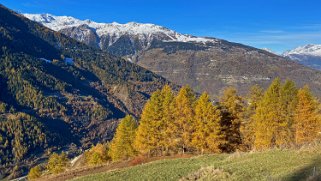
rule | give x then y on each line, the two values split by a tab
270	165
56	92
207	64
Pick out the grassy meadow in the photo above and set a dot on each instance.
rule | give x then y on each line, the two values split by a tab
303	164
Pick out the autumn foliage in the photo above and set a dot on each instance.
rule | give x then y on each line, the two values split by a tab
281	116
122	145
306	117
57	163
173	123
97	154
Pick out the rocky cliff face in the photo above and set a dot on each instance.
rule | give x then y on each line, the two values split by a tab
84	34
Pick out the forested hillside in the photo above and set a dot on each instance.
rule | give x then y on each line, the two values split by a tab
56	92
284	117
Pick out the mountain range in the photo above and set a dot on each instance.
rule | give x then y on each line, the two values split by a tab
207	64
309	55
133	36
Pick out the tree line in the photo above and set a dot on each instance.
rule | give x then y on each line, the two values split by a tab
281	116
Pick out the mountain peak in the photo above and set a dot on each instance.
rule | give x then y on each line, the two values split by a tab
146	32
309	55
309	49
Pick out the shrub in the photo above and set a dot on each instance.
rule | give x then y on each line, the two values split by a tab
57	163
3	107
34	173
97	155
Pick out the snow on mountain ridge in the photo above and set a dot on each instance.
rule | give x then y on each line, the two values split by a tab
309	55
115	30
310	49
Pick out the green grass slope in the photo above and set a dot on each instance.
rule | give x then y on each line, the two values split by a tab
270	165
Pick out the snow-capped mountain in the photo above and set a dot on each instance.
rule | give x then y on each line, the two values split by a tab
105	35
206	64
309	55
310	49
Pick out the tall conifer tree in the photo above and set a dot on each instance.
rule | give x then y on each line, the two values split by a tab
274	116
247	127
307	117
149	132
183	118
207	135
267	116
233	109
121	146
288	101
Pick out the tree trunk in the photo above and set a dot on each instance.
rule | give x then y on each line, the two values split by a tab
183	149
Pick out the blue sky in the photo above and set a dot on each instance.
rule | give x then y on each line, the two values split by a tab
275	24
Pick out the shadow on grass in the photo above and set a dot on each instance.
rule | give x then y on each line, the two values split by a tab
312	172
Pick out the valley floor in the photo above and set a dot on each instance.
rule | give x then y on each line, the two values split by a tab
286	165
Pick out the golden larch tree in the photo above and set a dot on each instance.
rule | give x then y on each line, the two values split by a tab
288	99
183	114
267	116
307	117
167	119
247	127
121	147
232	106
207	134
150	130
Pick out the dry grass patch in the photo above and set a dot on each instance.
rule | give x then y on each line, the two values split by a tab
208	174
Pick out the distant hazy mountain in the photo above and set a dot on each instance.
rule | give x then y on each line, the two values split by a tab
207	64
309	55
